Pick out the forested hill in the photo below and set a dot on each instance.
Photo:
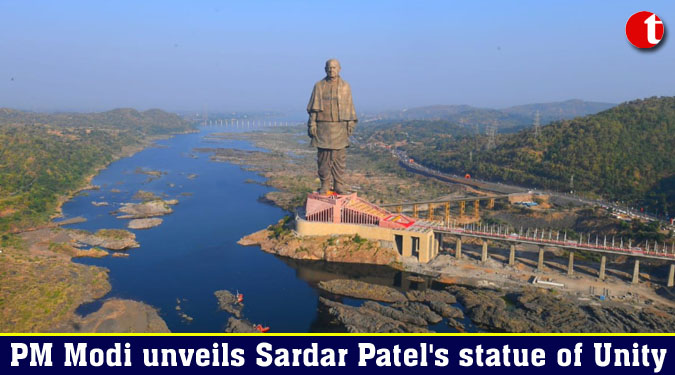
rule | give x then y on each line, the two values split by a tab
44	156
624	153
153	121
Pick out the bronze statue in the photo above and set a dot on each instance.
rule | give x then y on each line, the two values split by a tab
331	121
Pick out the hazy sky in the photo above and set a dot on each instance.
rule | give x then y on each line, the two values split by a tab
266	55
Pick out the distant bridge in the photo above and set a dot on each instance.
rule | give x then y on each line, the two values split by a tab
247	124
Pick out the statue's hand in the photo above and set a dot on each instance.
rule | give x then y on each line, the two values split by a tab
350	128
311	130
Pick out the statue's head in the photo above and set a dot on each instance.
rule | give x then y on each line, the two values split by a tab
332	68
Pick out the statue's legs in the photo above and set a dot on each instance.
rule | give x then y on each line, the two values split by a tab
339	161
324	157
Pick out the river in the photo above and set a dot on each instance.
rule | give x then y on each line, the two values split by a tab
194	251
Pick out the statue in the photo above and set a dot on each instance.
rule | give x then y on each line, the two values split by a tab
331	121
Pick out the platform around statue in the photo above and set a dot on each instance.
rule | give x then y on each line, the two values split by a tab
334	214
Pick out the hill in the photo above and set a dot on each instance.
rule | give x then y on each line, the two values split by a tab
46	156
556	111
504	120
624	153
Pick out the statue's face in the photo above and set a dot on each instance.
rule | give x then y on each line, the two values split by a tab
332	69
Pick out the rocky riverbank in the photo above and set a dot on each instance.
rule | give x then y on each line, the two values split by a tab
118	316
464	308
342	249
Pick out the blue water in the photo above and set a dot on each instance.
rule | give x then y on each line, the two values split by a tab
194	251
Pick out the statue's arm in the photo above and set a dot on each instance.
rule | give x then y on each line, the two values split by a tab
311	125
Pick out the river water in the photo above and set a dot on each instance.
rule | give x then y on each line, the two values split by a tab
194	251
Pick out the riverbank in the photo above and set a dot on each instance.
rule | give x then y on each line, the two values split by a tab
42	287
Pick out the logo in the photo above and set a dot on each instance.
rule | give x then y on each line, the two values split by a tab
644	29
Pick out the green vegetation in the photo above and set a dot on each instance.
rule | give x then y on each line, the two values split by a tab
624	153
358	239
45	156
282	228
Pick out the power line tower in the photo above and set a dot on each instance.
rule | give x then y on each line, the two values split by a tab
490	131
536	124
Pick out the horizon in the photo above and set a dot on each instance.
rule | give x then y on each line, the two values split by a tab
79	57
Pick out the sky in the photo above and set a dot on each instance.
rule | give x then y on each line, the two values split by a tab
266	55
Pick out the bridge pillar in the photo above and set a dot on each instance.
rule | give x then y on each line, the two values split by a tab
484	253
476	212
415	211
671	276
447	213
458	248
603	261
570	264
636	272
512	254
540	263
462	205
431	211
491	204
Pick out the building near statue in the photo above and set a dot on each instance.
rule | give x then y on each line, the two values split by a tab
326	215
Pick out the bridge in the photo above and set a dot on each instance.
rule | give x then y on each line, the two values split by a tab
236	123
424	238
542	240
431	206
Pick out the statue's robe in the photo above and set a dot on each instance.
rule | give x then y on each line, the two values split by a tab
334	108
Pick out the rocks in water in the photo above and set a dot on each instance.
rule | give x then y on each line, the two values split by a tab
396	314
144	223
362	290
146	209
185	316
228	302
421	310
192	176
145	196
111	239
149	172
120	255
445	310
430	295
235	325
365	320
99	204
539	310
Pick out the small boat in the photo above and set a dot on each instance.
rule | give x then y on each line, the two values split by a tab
240	297
262	329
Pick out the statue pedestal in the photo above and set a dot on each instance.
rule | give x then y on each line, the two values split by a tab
350	209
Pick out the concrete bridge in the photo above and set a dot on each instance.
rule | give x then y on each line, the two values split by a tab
423	238
431	206
543	240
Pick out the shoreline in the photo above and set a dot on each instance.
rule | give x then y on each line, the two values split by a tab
78	282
